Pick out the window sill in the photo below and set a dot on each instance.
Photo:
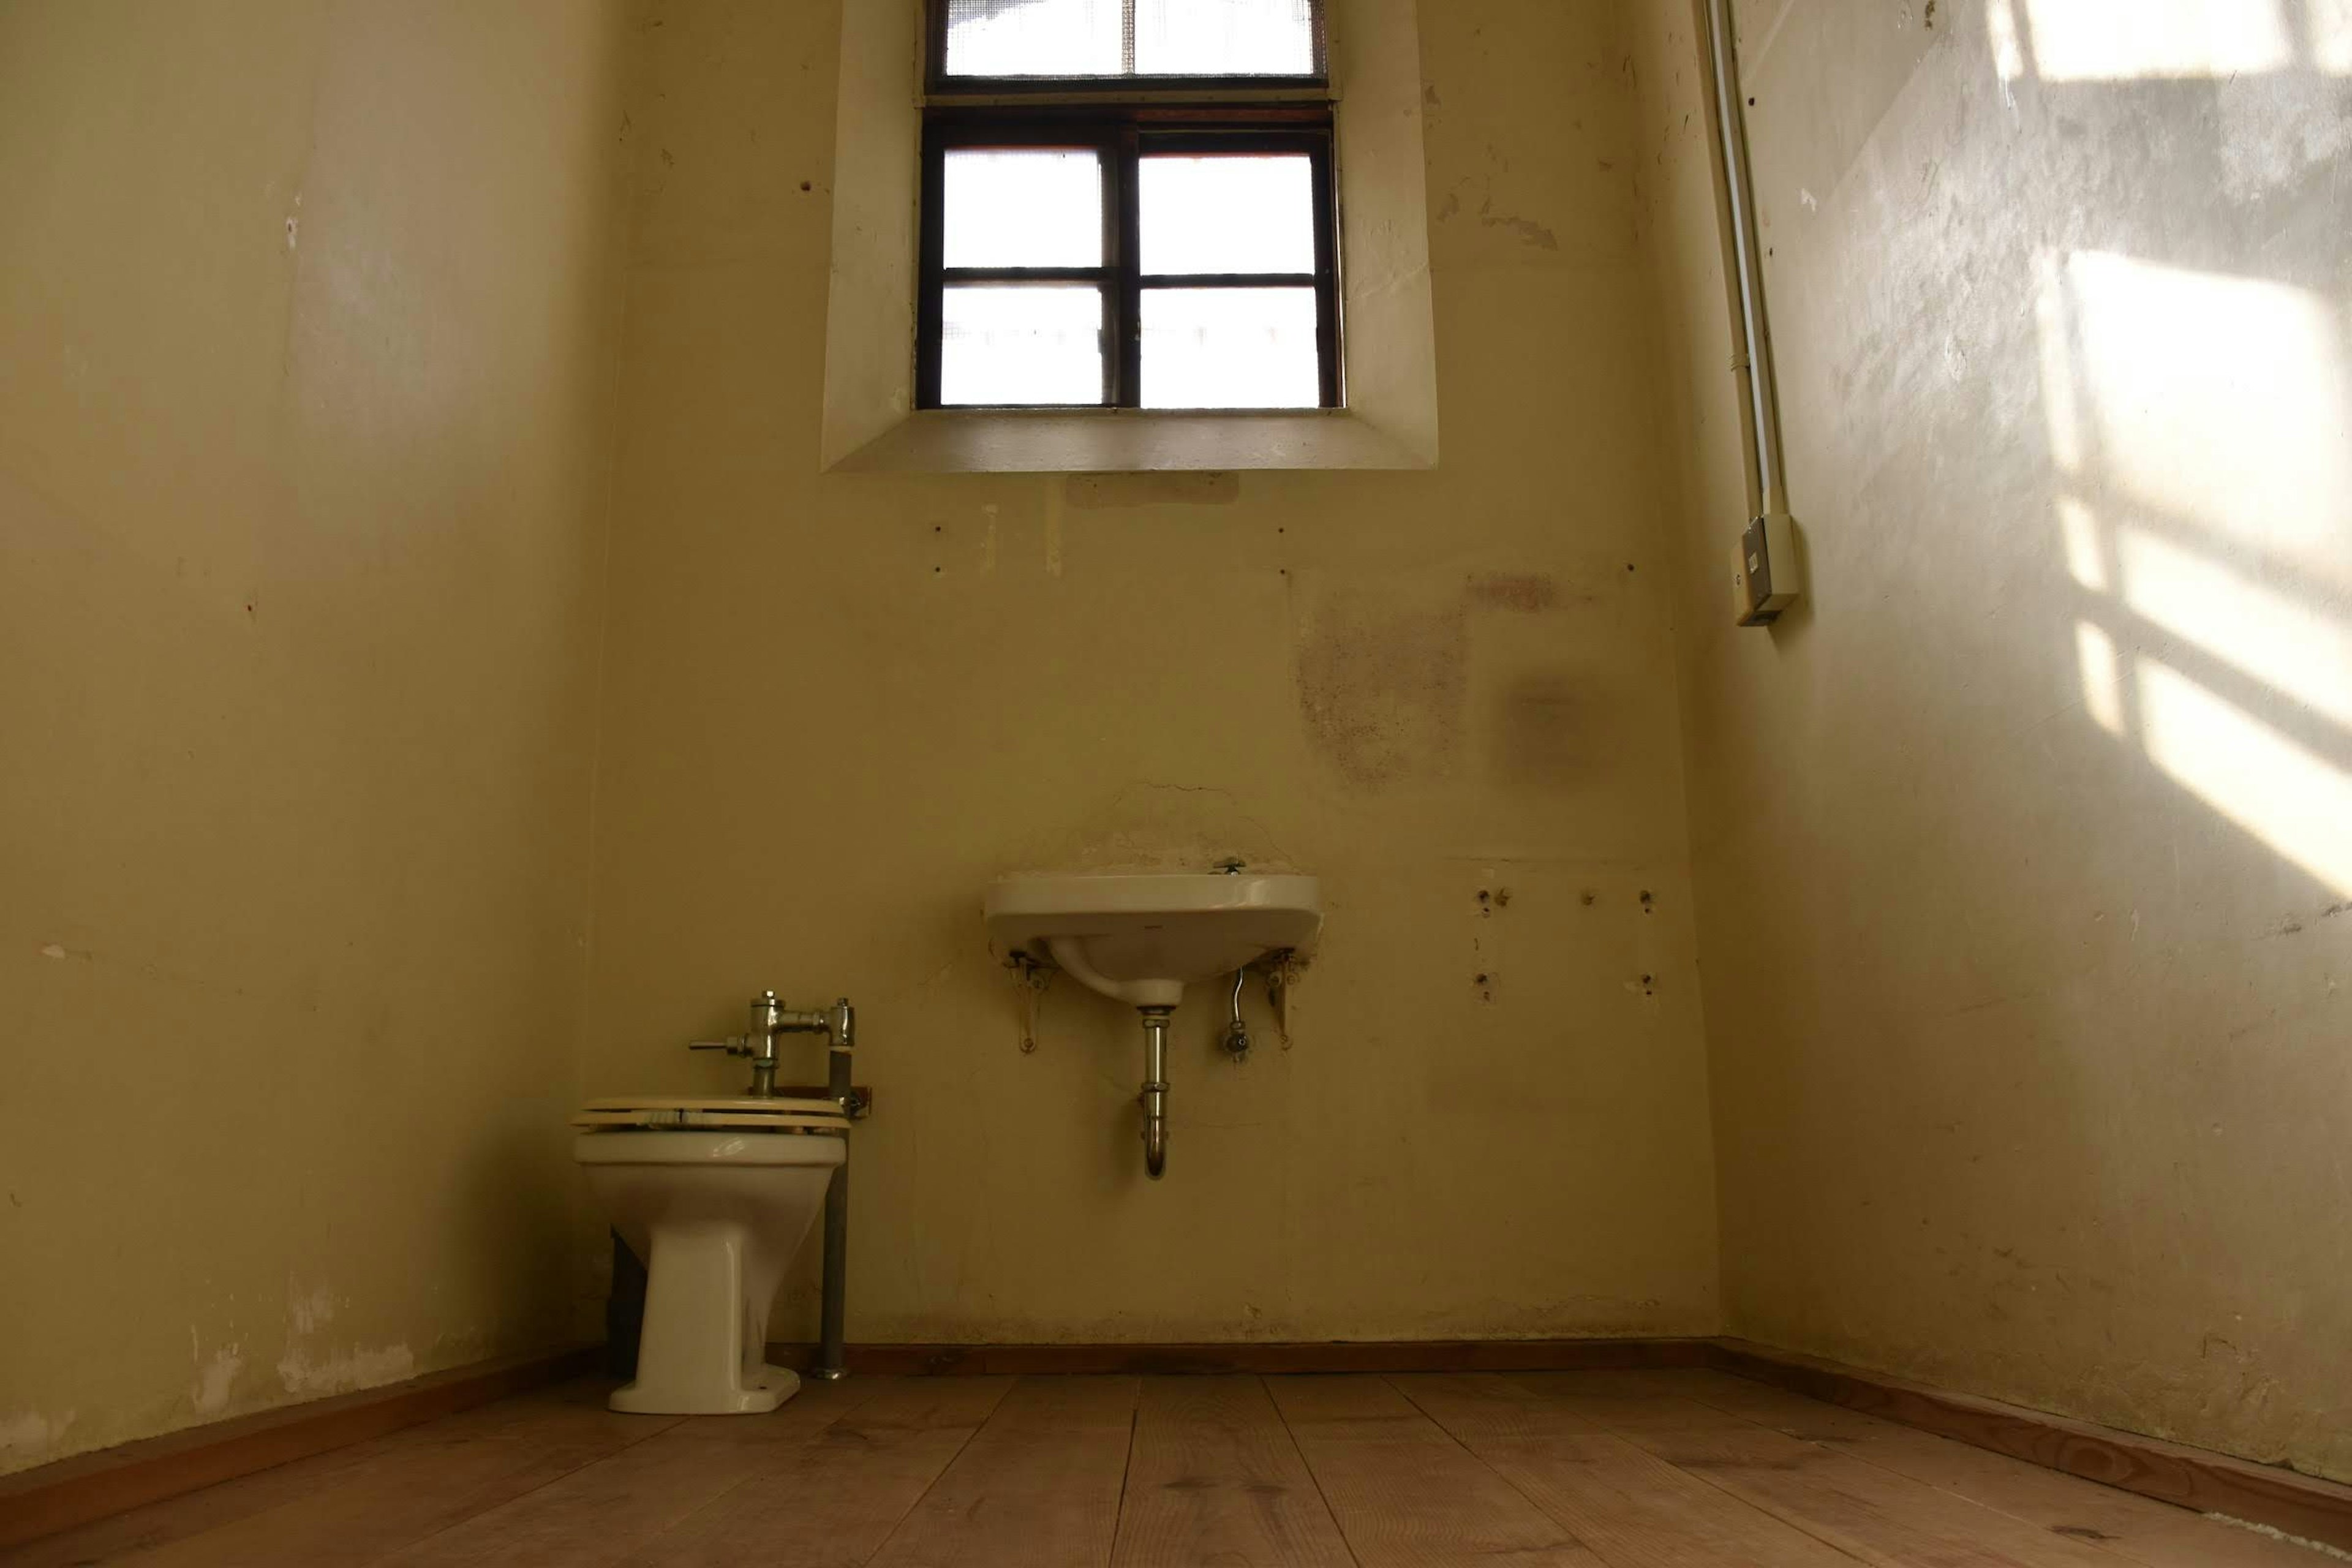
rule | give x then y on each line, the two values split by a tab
1127	440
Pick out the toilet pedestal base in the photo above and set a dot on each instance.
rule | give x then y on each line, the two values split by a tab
769	1387
700	1351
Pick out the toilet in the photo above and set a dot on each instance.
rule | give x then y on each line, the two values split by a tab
715	1197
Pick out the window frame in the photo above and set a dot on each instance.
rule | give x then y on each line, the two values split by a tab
1123	134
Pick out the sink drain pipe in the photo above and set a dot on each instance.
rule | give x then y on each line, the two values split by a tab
1154	1097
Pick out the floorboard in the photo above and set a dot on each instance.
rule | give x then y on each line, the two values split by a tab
600	1513
1406	1495
1861	1509
1215	1477
2126	1523
1681	1468
1632	1508
1038	1486
831	1501
360	1504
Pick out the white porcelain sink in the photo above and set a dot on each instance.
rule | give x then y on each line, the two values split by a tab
1140	937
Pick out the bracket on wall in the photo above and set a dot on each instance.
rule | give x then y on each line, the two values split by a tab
1034	978
1282	972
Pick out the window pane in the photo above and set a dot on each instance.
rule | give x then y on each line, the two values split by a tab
1040	208
1224	37
1228	213
1022	342
1230	348
1032	38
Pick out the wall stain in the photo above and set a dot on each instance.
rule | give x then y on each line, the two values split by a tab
1529	591
1528	230
1540	738
1382	690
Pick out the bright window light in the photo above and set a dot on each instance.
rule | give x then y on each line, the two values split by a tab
2276	636
1021	343
2293	801
1229	348
2125	41
1026	209
1228	213
1034	37
2103	686
1224	37
2218	401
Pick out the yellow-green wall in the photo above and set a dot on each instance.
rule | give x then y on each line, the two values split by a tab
837	705
306	329
2025	848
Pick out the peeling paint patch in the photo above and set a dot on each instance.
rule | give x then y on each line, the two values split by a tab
357	1368
28	1437
2276	1533
1528	230
52	950
310	1309
210	1392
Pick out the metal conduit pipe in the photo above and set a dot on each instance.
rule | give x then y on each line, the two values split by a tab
1767	481
1154	1097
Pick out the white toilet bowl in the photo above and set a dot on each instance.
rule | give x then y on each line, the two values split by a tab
715	1197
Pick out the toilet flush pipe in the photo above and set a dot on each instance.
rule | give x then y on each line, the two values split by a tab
1154	1097
1768	489
832	1358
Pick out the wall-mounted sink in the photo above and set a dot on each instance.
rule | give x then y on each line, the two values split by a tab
1141	937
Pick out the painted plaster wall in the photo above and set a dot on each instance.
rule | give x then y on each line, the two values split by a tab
306	328
2022	849
837	705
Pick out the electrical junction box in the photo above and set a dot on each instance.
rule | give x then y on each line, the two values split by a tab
1765	578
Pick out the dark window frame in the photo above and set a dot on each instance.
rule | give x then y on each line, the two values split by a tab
939	82
1124	135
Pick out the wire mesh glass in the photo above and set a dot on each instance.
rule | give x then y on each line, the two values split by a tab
1050	38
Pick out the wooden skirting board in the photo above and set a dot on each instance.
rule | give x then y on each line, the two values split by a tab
1283	1356
74	1491
2196	1478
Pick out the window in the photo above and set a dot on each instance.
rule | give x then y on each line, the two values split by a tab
1159	234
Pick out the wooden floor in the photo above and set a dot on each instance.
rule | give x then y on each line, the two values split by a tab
1628	1469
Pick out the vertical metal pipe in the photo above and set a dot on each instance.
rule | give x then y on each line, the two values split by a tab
1154	1097
1768	481
832	1356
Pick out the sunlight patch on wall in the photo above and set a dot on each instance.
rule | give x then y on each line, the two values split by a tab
2061	410
2274	789
2327	26
2086	559
2215	400
2007	54
2122	40
2103	683
2280	640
